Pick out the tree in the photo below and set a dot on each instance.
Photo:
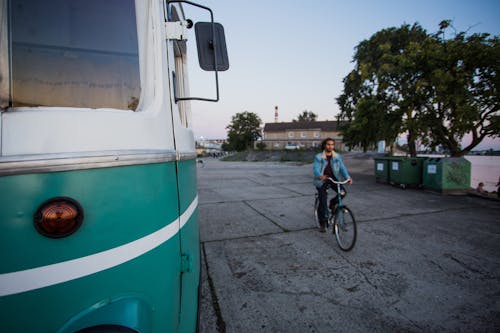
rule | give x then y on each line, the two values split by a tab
261	146
225	146
385	74
427	87
460	86
243	130
369	124
306	116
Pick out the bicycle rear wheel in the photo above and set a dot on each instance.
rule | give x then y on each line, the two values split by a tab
316	205
345	228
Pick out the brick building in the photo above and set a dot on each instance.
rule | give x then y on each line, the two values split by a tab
304	135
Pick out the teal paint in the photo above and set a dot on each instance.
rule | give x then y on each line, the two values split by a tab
190	245
153	277
190	280
121	205
187	182
132	312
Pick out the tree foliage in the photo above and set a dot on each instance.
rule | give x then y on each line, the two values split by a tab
306	116
243	130
433	89
460	89
261	146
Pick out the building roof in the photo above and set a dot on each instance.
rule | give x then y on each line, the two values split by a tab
331	125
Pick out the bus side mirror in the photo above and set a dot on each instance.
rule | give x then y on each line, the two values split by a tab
211	52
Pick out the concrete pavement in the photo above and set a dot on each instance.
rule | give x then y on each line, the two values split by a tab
422	263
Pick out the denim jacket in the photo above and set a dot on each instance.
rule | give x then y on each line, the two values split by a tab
338	168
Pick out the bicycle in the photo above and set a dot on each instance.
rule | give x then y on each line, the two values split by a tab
341	219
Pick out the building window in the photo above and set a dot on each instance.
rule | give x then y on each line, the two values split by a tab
290	134
316	134
303	135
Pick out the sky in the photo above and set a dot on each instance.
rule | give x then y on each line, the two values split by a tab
294	54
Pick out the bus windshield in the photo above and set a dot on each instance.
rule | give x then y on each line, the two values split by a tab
74	53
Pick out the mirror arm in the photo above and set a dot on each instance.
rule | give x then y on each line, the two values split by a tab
215	55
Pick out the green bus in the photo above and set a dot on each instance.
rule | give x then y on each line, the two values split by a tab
99	208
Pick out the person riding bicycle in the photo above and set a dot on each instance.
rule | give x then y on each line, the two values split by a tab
328	164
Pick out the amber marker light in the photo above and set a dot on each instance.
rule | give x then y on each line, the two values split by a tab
58	217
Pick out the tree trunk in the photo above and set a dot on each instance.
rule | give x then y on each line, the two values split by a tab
412	138
411	144
454	147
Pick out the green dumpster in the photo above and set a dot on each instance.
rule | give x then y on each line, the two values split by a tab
406	171
381	169
447	175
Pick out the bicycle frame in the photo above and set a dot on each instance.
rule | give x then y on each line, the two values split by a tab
339	192
339	204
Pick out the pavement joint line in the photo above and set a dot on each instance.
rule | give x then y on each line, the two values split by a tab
236	178
312	228
409	320
257	199
468	267
255	236
287	189
254	181
265	216
221	324
437	265
411	214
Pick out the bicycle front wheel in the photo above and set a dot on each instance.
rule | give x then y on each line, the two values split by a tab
345	228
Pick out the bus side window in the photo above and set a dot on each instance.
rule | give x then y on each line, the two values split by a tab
182	85
81	54
4	57
181	75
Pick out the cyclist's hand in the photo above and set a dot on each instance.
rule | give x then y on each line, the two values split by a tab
349	181
323	177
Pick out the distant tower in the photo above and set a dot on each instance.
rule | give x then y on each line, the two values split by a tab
276	114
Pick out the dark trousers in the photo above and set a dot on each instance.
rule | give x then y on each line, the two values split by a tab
323	197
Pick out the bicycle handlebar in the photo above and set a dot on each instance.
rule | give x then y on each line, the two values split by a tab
337	182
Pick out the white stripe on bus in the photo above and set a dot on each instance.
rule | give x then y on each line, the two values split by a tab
40	277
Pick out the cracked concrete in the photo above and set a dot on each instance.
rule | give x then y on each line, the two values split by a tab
422	263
